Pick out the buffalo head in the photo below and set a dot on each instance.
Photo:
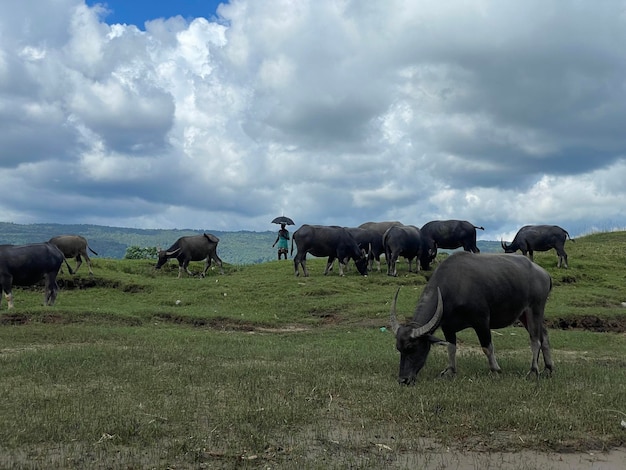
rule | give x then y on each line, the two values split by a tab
507	248
361	265
164	255
414	341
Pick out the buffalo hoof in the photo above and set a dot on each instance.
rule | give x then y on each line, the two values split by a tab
533	374
547	372
448	373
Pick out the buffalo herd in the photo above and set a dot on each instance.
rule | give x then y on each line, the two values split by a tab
482	292
363	245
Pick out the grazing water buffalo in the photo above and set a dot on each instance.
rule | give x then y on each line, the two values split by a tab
332	241
532	238
448	234
25	265
74	246
377	248
402	240
192	248
482	292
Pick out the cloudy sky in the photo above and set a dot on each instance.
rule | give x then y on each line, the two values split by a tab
503	113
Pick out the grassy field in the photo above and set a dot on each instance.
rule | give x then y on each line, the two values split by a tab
134	368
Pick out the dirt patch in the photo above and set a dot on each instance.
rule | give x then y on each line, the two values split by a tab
589	323
215	323
520	460
79	283
13	319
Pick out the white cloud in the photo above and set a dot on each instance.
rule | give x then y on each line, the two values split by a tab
501	113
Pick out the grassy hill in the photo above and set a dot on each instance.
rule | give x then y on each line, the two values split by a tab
134	368
241	248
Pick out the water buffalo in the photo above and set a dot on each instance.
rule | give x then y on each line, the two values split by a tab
192	248
74	246
532	238
377	248
482	292
25	265
332	241
402	240
449	235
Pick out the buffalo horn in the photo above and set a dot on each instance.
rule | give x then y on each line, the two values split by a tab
395	326
170	253
503	244
433	322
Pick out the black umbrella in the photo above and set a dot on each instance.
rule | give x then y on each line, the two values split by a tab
283	220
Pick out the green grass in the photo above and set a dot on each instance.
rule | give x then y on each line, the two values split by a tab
260	368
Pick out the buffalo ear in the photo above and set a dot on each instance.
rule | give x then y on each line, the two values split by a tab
434	340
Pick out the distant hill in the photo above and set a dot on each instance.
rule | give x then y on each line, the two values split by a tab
240	248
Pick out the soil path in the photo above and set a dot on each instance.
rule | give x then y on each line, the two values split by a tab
525	460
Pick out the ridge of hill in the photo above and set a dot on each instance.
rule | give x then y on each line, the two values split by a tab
239	248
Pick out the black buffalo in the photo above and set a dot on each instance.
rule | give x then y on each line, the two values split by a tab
377	229
25	265
532	238
332	241
192	248
483	292
402	240
74	246
448	235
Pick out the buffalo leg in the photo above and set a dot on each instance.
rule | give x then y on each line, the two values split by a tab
450	371
9	296
343	264
539	343
484	336
545	349
370	261
52	289
304	269
391	265
329	265
296	265
88	263
491	358
207	265
79	261
218	261
181	267
300	261
185	267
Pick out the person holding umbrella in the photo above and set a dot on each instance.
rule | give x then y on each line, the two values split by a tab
283	236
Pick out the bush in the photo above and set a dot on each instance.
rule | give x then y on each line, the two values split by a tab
136	252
